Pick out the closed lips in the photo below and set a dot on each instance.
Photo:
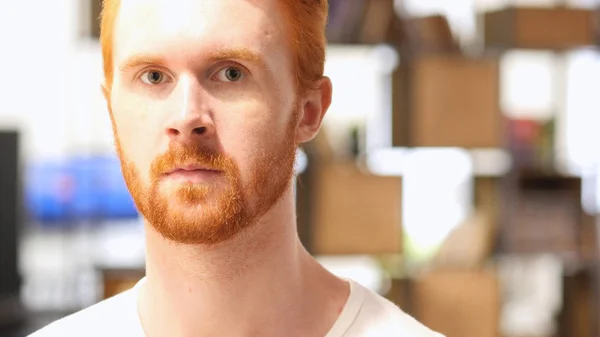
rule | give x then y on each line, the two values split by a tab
191	168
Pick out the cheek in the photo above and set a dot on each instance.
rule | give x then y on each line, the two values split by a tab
133	129
250	130
243	145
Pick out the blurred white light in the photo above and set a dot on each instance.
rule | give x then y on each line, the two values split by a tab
578	134
527	84
387	161
361	77
365	270
391	161
490	162
301	162
386	58
437	197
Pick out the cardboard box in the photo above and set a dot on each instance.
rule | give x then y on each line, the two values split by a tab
544	215
579	316
117	280
469	245
345	19
377	22
589	237
400	293
459	303
355	212
539	28
424	35
447	100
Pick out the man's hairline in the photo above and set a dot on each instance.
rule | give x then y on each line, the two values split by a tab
299	89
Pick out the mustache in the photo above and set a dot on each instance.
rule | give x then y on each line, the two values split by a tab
179	156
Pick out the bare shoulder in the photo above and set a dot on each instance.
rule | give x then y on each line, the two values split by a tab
380	317
111	317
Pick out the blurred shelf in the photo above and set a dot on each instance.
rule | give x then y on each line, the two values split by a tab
544	28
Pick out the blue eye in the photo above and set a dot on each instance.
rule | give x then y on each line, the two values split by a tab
230	74
153	77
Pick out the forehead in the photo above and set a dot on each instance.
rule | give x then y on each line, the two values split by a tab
189	27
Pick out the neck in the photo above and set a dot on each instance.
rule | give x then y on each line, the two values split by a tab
236	288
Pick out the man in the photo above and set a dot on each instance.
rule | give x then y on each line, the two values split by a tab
209	100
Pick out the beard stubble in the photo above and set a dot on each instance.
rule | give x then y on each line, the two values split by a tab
205	213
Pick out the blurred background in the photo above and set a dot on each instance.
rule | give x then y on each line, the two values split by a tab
456	173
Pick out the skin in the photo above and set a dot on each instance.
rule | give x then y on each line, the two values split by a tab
209	274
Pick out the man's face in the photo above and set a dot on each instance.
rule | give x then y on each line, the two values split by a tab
204	113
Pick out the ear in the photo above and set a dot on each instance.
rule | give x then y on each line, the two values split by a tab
313	107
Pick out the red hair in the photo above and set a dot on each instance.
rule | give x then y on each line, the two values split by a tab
306	21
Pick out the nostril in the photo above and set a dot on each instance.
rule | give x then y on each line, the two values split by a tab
173	132
199	130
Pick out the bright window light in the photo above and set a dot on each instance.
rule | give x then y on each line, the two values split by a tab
437	197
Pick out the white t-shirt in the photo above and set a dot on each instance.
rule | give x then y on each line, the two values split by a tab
366	314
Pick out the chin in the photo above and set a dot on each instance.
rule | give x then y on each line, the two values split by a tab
196	225
188	194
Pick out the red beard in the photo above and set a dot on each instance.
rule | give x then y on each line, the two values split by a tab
206	213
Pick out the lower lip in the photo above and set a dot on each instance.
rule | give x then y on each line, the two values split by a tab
194	176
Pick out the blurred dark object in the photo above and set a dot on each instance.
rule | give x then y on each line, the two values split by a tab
12	310
539	28
118	280
10	223
94	20
33	322
345	20
423	35
377	22
447	100
361	21
544	215
355	142
531	144
401	293
579	315
588	235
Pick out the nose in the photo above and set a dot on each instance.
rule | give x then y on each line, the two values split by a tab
191	120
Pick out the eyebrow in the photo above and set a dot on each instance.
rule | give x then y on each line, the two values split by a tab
141	60
243	54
